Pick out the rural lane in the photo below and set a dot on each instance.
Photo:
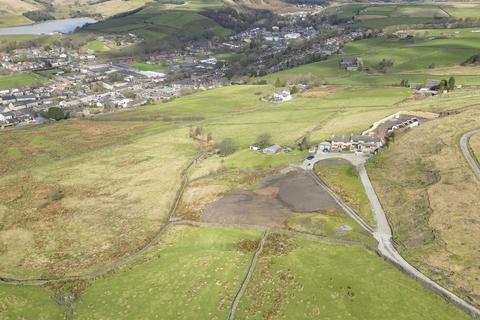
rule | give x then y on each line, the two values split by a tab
383	232
468	154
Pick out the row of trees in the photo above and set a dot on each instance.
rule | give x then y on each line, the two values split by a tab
443	85
228	146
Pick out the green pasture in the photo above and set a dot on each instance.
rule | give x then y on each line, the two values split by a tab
414	60
378	16
343	178
193	274
315	280
20	80
155	24
148	67
29	303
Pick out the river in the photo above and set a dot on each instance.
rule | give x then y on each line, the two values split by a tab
48	27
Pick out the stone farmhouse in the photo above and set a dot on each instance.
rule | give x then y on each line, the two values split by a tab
357	143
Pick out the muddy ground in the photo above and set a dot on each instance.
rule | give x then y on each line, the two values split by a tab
274	201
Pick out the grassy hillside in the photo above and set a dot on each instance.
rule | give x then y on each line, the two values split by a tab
79	199
430	196
432	55
344	179
161	28
80	194
29	303
11	12
193	274
379	16
312	280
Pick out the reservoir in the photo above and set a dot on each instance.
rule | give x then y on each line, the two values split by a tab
48	27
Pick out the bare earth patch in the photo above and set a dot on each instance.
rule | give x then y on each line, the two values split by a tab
321	92
276	199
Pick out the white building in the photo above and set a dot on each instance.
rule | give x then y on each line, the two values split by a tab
282	96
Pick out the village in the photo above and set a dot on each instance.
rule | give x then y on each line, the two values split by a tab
81	84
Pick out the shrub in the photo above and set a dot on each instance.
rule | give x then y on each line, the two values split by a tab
264	140
55	113
226	147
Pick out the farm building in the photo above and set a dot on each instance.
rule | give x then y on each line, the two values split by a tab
324	146
357	143
273	149
282	96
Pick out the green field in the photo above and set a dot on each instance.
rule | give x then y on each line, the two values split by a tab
315	280
344	179
80	194
29	303
193	275
13	20
20	80
328	224
428	192
433	55
96	46
379	16
148	67
161	28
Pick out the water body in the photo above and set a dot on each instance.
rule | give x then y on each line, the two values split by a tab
48	27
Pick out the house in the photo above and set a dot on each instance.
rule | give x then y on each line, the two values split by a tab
273	149
324	146
340	143
26	98
430	84
282	96
365	144
426	92
351	64
292	36
8	99
357	143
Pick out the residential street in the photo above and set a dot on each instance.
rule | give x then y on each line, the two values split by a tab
383	233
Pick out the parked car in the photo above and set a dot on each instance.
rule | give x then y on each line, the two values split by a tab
310	157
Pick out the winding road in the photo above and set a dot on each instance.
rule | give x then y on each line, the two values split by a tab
467	153
383	232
